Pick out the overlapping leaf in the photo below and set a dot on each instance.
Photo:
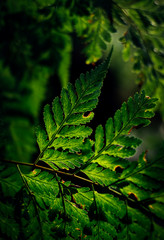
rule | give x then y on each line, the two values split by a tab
105	214
43	185
35	223
136	224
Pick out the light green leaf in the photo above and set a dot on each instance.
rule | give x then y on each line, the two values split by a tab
49	122
66	103
97	174
41	138
117	121
109	130
76	131
99	139
63	160
58	111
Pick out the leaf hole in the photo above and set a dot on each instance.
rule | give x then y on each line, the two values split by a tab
86	114
34	171
118	169
150	206
133	196
144	157
79	153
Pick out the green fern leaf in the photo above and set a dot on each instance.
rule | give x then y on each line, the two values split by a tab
64	129
83	197
141	175
97	174
99	136
49	122
137	224
96	33
35	223
116	213
79	131
58	111
111	162
63	160
41	138
43	185
67	143
103	215
118	142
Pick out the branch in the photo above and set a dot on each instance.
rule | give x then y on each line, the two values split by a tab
132	203
50	170
68	174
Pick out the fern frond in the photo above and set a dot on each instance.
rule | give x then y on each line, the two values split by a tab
63	210
70	110
95	29
115	141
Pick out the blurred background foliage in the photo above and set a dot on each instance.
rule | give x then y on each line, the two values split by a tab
46	43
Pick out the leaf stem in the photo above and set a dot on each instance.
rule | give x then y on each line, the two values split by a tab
113	191
50	170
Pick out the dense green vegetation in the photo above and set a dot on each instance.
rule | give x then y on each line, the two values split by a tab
79	183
